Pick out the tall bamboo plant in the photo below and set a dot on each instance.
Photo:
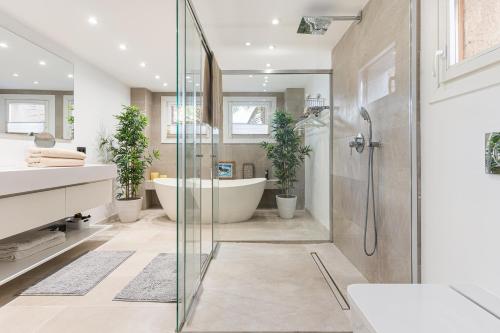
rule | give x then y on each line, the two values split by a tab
287	153
129	151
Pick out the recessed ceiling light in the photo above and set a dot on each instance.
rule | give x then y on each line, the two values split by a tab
142	64
271	47
15	75
122	47
36	82
250	76
157	76
268	65
248	43
266	77
165	84
70	76
4	45
265	90
92	20
264	84
275	21
42	63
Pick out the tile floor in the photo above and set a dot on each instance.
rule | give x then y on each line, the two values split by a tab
248	287
272	288
96	311
266	225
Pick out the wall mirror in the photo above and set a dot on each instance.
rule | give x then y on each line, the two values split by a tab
36	90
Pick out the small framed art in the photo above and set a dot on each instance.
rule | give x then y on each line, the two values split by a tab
226	169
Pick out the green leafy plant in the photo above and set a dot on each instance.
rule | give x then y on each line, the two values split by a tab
129	151
287	153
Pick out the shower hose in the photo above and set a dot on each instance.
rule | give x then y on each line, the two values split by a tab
371	186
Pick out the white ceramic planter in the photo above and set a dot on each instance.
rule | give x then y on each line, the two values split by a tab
128	210
286	206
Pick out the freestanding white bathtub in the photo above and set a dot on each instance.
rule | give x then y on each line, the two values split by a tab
238	198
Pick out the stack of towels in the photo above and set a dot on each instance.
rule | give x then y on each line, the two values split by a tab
54	157
27	244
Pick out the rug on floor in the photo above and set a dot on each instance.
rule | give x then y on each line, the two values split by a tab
156	283
80	276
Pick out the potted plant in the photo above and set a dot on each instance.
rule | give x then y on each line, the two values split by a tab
129	151
287	154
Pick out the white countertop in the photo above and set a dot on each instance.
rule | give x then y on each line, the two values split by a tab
20	179
396	308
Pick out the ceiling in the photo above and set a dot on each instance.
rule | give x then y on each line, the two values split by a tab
229	24
147	28
24	70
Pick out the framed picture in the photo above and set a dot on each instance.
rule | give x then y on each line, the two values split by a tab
226	169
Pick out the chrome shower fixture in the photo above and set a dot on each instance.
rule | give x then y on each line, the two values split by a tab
318	25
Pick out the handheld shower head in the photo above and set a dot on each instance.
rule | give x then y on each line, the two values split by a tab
364	113
366	116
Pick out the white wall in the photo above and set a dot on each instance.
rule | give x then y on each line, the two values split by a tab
98	97
317	166
460	203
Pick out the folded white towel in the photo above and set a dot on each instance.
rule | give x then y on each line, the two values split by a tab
57	153
46	162
29	240
20	254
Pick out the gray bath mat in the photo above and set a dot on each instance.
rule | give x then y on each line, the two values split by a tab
156	283
80	276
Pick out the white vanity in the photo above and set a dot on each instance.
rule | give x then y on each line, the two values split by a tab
31	198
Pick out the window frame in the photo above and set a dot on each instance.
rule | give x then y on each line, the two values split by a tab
448	71
165	121
228	136
48	100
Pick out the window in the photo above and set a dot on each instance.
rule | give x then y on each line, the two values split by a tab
474	28
169	116
26	117
69	118
469	39
248	119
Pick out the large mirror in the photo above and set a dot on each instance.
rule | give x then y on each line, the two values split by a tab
36	90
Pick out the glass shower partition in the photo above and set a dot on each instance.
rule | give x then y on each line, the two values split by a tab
195	160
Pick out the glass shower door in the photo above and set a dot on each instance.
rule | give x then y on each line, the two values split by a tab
194	161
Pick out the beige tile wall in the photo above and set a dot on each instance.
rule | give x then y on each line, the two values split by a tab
384	22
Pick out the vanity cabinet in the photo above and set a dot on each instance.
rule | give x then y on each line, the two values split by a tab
28	211
32	198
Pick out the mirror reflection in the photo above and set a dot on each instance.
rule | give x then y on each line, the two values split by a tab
36	90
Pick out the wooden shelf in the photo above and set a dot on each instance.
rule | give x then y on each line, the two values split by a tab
11	269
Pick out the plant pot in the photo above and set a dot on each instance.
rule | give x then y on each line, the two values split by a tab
286	206
128	210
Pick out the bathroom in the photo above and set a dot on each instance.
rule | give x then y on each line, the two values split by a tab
295	166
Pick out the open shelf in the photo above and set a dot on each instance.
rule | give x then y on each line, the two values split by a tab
12	269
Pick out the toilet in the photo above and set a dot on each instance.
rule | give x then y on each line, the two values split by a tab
422	308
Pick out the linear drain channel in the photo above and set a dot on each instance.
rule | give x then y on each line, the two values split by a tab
331	282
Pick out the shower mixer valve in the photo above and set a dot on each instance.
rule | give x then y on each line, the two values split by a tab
358	143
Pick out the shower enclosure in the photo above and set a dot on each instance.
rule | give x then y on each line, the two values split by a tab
250	100
197	185
374	68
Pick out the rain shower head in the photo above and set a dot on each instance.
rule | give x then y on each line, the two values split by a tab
314	25
318	25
